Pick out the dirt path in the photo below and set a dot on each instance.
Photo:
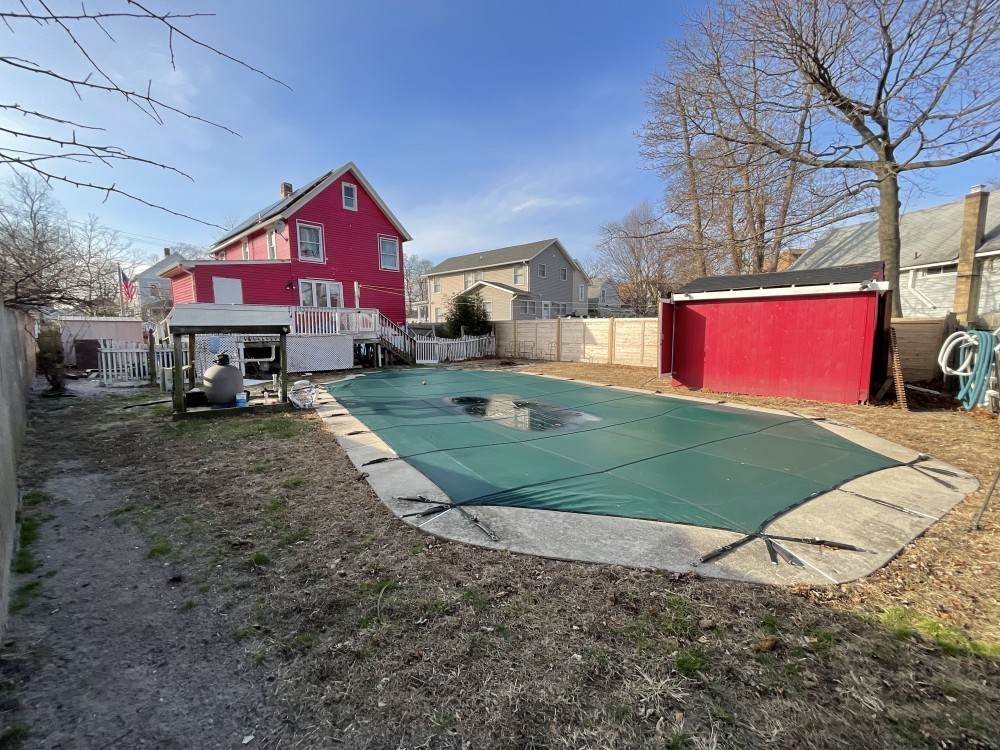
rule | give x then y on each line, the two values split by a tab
117	656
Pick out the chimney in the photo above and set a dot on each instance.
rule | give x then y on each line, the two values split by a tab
286	190
166	252
967	281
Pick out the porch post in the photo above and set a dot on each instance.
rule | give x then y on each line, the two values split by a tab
178	384
283	364
191	355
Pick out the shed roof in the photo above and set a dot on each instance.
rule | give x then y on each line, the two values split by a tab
927	237
857	272
499	257
215	318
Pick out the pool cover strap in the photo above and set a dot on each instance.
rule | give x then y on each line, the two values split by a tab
509	439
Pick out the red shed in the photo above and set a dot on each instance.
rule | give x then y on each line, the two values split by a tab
814	334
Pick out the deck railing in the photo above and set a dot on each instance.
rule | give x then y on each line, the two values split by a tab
317	321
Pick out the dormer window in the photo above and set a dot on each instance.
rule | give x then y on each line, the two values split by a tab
350	195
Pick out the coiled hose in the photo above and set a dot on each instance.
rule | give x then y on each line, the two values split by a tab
977	353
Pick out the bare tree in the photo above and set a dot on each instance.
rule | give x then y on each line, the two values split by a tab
736	206
884	87
59	149
48	261
638	255
415	287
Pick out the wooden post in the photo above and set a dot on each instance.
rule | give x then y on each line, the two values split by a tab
642	343
283	357
513	346
558	339
178	384
151	360
611	341
191	357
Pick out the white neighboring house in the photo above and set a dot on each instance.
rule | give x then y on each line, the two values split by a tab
949	258
152	290
603	300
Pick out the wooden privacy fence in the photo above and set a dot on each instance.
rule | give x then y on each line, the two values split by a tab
431	351
614	341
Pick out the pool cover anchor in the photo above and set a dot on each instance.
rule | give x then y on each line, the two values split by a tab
775	550
439	507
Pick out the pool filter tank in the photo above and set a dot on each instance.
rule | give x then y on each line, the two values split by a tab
222	382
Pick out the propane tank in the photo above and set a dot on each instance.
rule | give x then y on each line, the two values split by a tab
222	382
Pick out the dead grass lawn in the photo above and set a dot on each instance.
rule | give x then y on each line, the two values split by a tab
379	636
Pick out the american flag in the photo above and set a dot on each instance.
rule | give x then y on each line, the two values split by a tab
128	288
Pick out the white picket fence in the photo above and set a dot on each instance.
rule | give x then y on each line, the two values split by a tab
128	361
432	350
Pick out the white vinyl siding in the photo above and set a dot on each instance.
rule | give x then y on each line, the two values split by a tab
388	253
310	238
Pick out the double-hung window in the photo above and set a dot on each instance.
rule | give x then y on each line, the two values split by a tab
350	196
246	249
272	248
541	270
310	242
388	253
437	285
563	274
518	275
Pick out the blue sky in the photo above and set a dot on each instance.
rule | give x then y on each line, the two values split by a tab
481	124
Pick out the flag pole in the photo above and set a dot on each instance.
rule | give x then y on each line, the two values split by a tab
121	290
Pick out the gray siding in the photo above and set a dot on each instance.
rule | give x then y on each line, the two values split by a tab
926	296
989	292
552	288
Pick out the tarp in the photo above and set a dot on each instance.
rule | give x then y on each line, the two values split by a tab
502	438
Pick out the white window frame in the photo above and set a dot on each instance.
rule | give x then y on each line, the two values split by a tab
467	280
395	241
541	270
326	285
298	242
564	274
604	296
437	314
343	195
437	285
272	244
581	293
946	270
245	245
489	310
518	275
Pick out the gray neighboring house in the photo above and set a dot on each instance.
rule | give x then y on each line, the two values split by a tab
603	300
949	258
524	282
153	291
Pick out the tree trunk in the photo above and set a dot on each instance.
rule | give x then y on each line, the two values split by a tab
888	233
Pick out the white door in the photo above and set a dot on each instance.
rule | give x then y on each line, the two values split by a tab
227	291
546	310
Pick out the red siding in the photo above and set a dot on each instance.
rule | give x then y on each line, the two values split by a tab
182	289
263	283
666	337
351	253
817	347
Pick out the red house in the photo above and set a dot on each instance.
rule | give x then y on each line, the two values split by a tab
333	243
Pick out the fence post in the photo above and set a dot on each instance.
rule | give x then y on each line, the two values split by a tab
611	341
558	339
513	346
151	359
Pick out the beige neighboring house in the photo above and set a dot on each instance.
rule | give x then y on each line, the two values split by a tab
525	282
603	300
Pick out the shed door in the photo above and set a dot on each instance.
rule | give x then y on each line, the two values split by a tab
227	291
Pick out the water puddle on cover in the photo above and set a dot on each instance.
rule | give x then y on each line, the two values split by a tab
520	413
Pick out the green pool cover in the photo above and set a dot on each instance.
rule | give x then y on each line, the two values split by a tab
503	438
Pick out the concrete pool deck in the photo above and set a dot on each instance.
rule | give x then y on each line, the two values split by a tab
878	513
